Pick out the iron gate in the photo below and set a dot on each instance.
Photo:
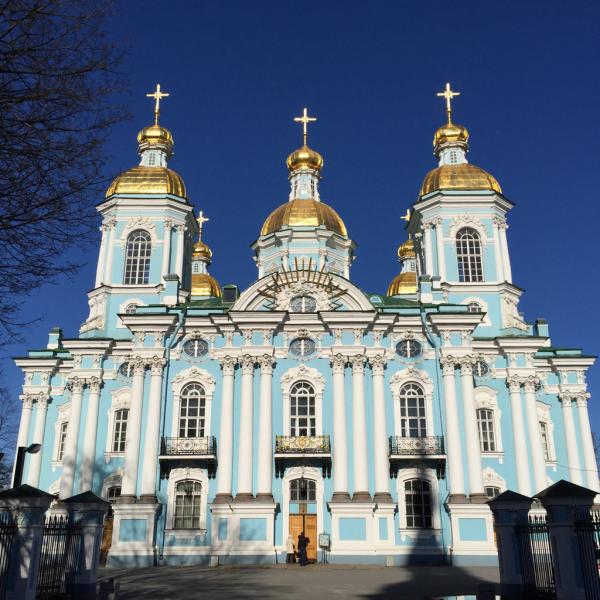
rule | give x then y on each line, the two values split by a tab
587	530
8	530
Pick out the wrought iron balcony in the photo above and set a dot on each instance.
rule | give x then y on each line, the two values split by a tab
188	451
302	450
416	451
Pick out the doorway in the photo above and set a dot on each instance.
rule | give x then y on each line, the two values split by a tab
308	524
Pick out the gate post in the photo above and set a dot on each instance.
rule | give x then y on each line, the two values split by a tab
510	511
563	501
89	511
28	505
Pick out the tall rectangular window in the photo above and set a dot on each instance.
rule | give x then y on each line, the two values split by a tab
187	505
545	440
485	423
120	430
417	497
62	436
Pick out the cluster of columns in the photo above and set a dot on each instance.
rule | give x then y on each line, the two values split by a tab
453	431
245	475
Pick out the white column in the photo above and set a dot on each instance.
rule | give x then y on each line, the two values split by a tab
359	431
23	436
439	239
225	442
535	438
518	429
505	257
380	438
498	250
244	483
152	437
428	250
566	400
472	443
265	431
134	427
589	456
340	438
101	256
108	267
180	246
166	257
35	460
70	449
452	431
88	456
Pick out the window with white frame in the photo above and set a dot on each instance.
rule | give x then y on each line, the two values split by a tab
303	304
62	436
408	348
469	255
413	421
303	490
303	419
120	429
474	307
545	440
303	347
112	493
130	308
195	348
192	411
485	425
491	491
188	500
546	431
418	505
137	258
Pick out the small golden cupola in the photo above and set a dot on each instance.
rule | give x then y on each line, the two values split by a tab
406	281
450	146
204	285
151	176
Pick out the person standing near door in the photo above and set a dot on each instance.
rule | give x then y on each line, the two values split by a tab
289	548
303	541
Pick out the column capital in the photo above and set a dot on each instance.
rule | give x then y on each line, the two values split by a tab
448	365
157	365
76	384
168	223
180	227
27	400
108	224
43	400
500	222
358	364
138	365
377	363
228	364
514	383
581	398
466	365
94	384
530	383
266	364
247	361
338	363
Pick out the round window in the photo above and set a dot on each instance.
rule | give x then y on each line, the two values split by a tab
303	304
408	348
480	368
302	347
195	348
126	369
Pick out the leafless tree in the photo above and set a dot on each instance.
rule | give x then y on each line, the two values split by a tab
8	428
58	88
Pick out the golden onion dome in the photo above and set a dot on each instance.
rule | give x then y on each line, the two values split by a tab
156	136
204	284
201	250
463	176
404	283
406	250
304	213
304	158
450	133
148	180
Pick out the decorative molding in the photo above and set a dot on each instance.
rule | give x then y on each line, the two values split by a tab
228	364
338	364
466	220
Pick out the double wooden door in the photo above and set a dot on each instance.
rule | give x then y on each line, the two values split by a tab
308	524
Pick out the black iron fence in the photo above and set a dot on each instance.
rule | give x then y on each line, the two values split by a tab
8	530
190	446
587	530
59	558
416	446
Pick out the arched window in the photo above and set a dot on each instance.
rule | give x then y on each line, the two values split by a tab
474	307
485	424
137	258
120	430
417	496
303	490
130	308
303	420
192	411
413	422
188	494
468	253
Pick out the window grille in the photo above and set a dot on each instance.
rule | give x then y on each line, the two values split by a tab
303	304
195	348
408	348
137	258
126	369
412	411
303	421
192	411
62	436
303	490
480	368
188	495
302	347
120	430
485	424
417	498
468	253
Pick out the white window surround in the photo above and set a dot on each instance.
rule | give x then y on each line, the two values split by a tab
121	398
143	223
123	306
312	474
288	379
421	378
207	381
487	398
428	475
63	416
462	221
544	416
114	479
484	308
181	474
493	479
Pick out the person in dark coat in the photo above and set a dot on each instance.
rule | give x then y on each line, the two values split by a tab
303	541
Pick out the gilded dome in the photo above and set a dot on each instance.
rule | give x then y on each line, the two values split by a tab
204	284
155	134
406	250
304	213
304	158
201	250
148	180
463	176
404	283
450	133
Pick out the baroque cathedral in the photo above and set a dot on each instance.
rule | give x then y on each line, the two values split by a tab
220	421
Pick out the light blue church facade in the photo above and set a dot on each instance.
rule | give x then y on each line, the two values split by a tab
220	421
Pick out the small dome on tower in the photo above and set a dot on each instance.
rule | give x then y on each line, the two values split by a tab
450	133
406	249
304	158
465	176
406	281
201	250
148	180
156	136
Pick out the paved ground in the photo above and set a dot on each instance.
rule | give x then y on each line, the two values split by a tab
290	582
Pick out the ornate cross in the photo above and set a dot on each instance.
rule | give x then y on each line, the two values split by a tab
158	96
406	217
201	220
305	120
448	94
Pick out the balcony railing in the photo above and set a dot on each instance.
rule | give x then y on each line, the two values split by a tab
416	446
192	446
314	444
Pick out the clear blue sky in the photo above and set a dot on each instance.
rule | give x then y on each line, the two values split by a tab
238	72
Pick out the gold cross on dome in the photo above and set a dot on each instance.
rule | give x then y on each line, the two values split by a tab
305	120
158	96
448	94
406	217
201	220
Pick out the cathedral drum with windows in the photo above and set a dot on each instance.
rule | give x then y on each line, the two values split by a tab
219	422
